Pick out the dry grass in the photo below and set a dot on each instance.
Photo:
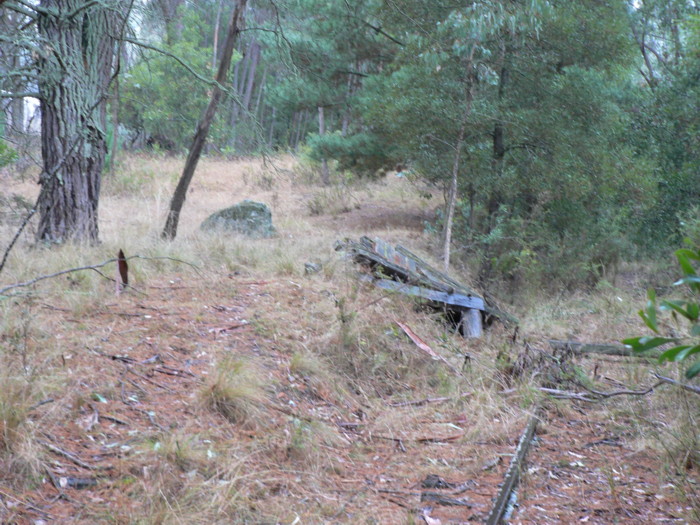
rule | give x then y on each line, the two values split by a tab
320	348
235	392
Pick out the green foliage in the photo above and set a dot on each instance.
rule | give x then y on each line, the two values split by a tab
685	313
363	153
160	98
572	160
7	154
550	201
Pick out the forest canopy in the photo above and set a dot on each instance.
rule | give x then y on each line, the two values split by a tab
564	134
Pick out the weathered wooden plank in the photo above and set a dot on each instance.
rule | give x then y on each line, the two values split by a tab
513	474
472	326
431	273
473	303
409	269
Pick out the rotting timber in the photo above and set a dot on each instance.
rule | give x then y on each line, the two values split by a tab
399	270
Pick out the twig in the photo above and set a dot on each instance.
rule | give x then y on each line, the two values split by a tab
418	440
134	383
689	388
93	267
115	419
149	380
399	492
177	373
41	403
395	502
72	457
114	357
429	400
426	348
563	394
14	239
295	415
622	392
26	504
150	417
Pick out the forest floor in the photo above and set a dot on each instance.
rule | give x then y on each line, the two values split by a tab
245	391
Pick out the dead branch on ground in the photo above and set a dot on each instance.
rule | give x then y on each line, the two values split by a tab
685	386
93	267
429	400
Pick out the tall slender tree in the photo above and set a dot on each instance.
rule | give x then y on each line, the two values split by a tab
200	136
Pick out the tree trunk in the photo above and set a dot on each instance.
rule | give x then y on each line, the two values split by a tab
272	126
254	51
452	197
215	45
261	89
172	19
200	136
75	73
299	123
454	187
499	147
16	57
115	126
325	175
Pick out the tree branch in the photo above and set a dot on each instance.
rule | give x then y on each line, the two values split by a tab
180	61
24	94
17	9
14	239
94	267
689	388
75	12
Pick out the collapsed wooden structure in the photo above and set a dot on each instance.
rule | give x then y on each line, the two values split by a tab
399	270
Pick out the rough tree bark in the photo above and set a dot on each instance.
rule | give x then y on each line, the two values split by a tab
75	72
200	136
114	147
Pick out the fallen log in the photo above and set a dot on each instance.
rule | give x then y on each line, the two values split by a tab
578	348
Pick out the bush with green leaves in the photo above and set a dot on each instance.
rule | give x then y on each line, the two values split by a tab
685	312
365	154
160	98
7	154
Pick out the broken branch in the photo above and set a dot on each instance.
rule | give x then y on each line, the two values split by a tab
94	267
429	400
72	457
685	386
426	348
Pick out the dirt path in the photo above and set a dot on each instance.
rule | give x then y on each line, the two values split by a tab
135	394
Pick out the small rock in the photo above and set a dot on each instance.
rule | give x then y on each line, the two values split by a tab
312	267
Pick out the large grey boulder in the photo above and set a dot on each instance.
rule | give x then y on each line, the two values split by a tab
250	218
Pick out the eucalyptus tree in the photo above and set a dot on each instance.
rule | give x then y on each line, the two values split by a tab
513	108
329	48
664	109
438	88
